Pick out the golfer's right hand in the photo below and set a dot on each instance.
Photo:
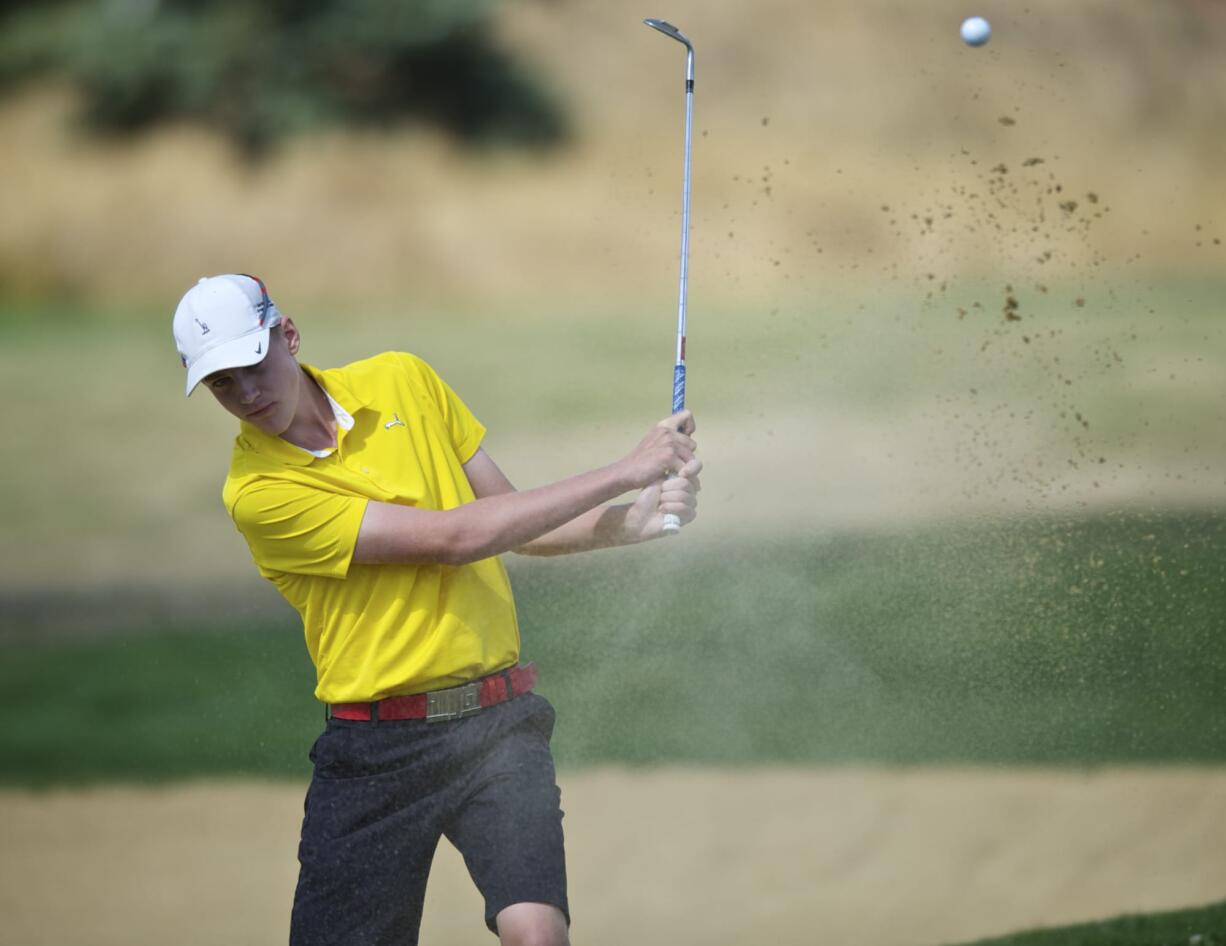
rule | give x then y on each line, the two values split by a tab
667	449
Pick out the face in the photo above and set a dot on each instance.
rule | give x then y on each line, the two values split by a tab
264	394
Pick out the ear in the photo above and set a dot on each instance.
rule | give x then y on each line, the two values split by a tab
290	333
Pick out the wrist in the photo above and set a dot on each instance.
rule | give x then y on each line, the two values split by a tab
629	529
610	528
622	475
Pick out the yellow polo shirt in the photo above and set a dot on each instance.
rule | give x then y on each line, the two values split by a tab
374	630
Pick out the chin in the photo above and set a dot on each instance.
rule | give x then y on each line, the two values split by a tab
274	423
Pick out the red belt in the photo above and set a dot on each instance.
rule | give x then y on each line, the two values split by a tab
451	703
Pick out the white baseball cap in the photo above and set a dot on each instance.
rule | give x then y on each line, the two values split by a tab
223	322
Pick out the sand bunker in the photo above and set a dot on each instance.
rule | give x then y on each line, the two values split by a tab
873	857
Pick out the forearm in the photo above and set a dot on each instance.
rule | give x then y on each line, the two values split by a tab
562	517
600	528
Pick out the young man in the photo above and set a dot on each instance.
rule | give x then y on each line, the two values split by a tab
367	499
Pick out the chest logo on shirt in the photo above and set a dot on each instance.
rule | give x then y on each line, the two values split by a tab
394	422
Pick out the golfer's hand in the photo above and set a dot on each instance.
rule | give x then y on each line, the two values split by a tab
677	495
666	449
674	486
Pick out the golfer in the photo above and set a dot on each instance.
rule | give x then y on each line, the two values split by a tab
367	499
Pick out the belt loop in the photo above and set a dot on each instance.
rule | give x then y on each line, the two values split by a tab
374	713
510	683
327	712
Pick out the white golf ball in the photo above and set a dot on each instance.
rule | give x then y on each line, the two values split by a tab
976	31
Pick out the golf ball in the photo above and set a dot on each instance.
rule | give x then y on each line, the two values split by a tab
976	31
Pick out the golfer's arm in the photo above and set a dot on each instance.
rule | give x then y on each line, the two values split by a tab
494	523
597	528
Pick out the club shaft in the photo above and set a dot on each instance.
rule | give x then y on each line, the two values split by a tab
683	290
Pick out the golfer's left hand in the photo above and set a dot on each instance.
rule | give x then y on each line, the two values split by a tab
678	494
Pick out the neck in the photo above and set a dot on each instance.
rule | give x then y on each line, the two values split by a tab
314	424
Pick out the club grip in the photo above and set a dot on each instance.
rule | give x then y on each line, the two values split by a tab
671	522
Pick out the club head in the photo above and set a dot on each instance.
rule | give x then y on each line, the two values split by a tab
668	30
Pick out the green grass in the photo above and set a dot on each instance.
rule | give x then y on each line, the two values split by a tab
157	706
1070	642
1202	926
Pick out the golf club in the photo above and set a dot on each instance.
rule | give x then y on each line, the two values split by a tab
671	522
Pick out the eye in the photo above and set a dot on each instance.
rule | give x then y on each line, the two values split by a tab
217	383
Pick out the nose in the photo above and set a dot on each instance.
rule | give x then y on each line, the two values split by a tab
248	390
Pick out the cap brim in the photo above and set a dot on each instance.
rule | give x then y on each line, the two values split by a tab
243	351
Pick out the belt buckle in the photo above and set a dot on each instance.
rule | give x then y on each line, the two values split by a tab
454	702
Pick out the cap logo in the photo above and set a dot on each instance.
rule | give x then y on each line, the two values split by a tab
204	329
259	348
261	307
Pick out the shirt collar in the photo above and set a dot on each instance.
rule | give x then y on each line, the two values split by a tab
344	423
343	403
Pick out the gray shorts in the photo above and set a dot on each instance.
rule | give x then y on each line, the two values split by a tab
382	795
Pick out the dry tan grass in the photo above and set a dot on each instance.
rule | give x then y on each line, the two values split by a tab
837	107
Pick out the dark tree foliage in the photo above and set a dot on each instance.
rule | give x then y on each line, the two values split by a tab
261	70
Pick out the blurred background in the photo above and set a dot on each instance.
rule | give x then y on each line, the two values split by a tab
955	352
496	186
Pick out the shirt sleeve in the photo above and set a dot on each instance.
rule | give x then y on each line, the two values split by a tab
298	529
463	428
